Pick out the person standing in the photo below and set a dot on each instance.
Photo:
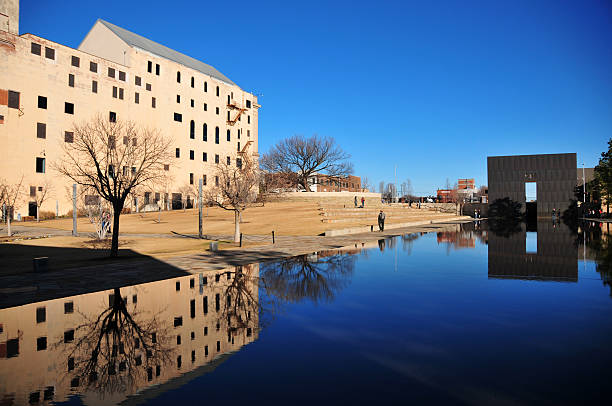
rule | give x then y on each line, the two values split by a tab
355	201
381	221
362	201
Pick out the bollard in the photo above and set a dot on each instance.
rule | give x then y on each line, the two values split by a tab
41	264
214	246
273	242
241	239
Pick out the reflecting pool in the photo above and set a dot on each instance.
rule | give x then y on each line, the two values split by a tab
463	316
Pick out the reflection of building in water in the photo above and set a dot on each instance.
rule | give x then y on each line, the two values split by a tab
151	334
551	255
463	235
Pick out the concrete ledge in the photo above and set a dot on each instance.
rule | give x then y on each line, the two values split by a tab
366	229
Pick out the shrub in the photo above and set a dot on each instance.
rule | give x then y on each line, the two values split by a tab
46	215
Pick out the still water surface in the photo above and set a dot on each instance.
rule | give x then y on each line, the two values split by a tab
466	316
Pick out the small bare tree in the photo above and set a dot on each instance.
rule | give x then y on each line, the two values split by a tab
43	193
115	158
10	196
366	184
237	188
306	156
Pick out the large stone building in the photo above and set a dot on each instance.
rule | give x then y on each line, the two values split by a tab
550	178
46	87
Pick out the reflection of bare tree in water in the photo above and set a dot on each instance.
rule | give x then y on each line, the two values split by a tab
117	350
298	278
407	240
242	306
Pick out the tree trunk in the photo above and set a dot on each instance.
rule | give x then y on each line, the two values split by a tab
305	184
236	226
115	241
8	222
37	216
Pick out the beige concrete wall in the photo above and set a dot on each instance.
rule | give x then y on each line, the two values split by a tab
331	198
34	76
10	20
35	370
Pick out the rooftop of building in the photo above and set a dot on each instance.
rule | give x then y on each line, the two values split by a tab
145	44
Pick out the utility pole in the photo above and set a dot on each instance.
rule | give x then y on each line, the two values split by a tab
200	208
583	185
74	210
395	183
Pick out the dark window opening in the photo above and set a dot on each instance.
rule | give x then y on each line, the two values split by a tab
68	108
111	73
248	104
216	158
157	69
191	154
120	93
68	136
137	81
192	129
149	66
137	98
13	99
178	77
191	178
192	82
178	117
70	80
41	343
41	314
229	135
178	321
40	165
217	110
204	156
178	98
192	103
148	86
42	102
178	153
229	161
204	132
206	86
35	49
112	116
122	76
216	135
217	91
49	53
75	61
93	67
153	102
41	130
205	107
68	307
94	86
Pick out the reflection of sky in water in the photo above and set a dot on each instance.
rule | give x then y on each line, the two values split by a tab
423	323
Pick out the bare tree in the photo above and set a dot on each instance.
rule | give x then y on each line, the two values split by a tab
114	158
366	184
10	195
381	187
307	156
236	189
42	195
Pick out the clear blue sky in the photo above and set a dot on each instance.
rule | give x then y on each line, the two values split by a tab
432	87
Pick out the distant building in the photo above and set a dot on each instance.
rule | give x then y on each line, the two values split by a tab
325	183
465	184
444	195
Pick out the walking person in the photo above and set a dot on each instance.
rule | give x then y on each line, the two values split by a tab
355	201
381	221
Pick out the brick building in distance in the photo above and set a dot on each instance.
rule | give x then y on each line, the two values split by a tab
46	87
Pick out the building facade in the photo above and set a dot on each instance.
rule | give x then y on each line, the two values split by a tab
324	183
552	178
46	87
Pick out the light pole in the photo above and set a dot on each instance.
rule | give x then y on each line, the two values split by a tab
583	185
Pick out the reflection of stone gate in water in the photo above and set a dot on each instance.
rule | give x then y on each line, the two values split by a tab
191	324
555	258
